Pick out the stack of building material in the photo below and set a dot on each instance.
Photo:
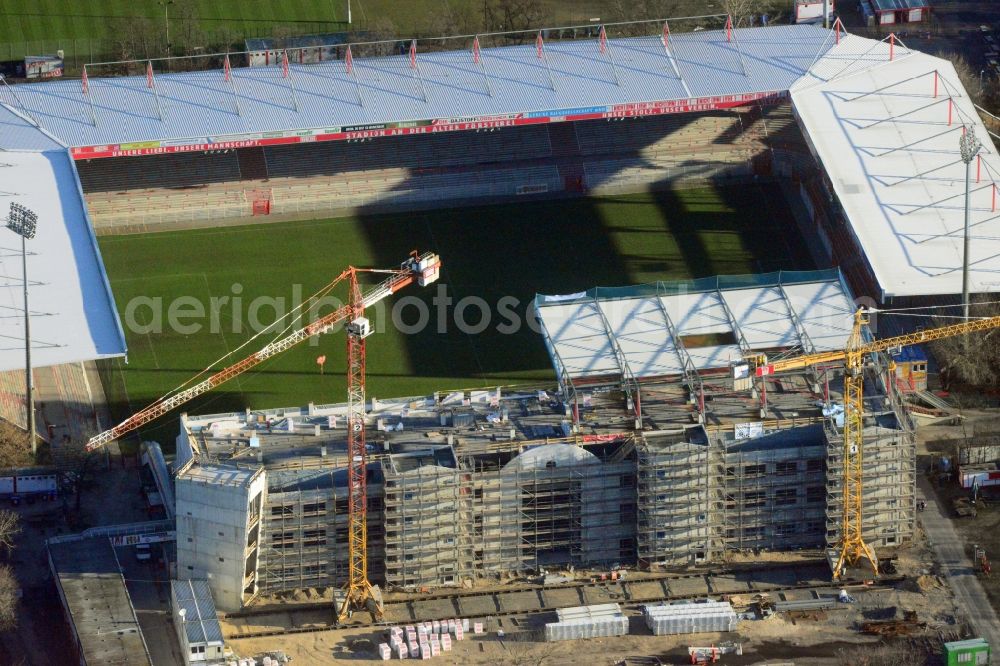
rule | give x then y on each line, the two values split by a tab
805	605
384	651
587	622
424	640
696	618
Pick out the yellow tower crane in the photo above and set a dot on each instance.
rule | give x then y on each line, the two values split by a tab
851	546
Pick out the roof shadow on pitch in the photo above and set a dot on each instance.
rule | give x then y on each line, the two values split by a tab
514	250
762	236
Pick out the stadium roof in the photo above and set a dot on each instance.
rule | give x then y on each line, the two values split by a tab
73	317
574	77
867	109
888	138
635	330
17	132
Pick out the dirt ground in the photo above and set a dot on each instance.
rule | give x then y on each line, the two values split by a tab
817	640
983	529
827	638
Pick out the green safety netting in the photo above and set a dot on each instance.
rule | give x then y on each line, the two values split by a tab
720	282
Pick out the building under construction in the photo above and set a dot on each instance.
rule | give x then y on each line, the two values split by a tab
640	466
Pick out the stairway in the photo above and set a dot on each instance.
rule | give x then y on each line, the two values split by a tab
253	163
562	137
573	176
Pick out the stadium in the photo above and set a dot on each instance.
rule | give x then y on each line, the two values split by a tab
811	170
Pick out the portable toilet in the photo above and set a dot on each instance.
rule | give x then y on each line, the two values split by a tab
971	652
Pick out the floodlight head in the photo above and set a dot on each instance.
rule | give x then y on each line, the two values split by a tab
969	144
22	221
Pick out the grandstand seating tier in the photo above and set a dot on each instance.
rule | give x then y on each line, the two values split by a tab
598	156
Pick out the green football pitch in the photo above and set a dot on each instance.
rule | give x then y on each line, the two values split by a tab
42	26
508	252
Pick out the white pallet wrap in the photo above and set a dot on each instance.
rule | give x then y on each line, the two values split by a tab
599	621
693	618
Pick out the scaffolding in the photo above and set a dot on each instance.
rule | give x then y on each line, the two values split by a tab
489	513
775	490
703	494
454	498
889	477
304	541
680	499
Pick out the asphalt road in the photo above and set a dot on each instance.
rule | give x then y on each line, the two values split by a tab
956	566
149	589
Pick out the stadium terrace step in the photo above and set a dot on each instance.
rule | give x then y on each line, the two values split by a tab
180	171
596	156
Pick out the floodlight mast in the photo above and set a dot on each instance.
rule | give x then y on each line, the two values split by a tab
24	222
969	146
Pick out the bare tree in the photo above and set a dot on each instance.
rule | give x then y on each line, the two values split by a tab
14	448
8	598
225	40
10	527
135	38
740	10
187	36
637	10
971	359
896	654
514	15
966	74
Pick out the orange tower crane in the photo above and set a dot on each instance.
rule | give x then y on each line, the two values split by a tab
420	268
851	546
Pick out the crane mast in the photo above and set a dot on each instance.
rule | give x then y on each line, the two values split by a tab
851	546
359	592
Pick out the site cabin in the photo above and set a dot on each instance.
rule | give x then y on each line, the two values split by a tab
891	12
911	369
982	475
811	11
28	483
972	652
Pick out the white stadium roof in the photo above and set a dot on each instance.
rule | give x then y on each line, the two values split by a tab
665	329
867	109
885	141
73	317
574	77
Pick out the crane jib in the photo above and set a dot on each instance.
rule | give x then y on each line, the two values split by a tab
423	269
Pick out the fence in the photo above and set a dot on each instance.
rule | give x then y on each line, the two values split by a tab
79	51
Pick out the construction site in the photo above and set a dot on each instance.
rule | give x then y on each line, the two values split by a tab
471	486
724	468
